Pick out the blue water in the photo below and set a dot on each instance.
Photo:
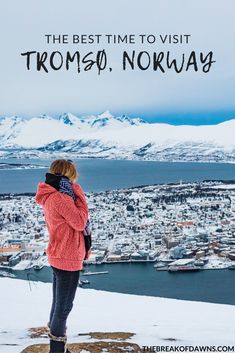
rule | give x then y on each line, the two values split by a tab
98	175
215	286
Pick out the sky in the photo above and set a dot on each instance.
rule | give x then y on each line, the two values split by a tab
185	98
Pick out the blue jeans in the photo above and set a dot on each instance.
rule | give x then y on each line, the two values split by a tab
64	289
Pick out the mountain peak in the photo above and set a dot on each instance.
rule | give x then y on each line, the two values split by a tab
131	121
68	118
105	114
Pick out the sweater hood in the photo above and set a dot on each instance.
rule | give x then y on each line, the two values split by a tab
43	192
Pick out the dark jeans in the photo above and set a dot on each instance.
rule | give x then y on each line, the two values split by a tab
64	289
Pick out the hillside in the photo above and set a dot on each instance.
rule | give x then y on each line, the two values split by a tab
151	320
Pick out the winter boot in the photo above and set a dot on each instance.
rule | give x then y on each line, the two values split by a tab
58	344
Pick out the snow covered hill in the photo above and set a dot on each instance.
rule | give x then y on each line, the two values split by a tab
109	136
153	320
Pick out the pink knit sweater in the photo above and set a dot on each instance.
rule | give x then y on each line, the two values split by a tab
65	221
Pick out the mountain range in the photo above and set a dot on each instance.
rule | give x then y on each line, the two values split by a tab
108	136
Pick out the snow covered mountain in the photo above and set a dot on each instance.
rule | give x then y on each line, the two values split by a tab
39	131
109	136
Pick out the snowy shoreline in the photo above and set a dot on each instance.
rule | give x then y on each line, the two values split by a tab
17	166
118	158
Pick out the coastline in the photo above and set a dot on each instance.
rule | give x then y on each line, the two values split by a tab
79	157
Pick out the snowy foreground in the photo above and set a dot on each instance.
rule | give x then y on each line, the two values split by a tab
154	320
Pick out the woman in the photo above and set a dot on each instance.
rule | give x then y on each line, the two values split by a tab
66	215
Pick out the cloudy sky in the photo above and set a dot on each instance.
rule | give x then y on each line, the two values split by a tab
189	97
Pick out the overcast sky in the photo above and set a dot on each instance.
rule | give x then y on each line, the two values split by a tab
188	97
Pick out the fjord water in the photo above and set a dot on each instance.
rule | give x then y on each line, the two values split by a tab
100	174
214	286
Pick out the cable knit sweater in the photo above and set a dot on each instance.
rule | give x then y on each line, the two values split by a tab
65	221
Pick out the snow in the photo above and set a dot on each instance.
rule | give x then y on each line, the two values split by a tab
22	265
38	131
105	114
152	319
224	186
165	134
182	262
